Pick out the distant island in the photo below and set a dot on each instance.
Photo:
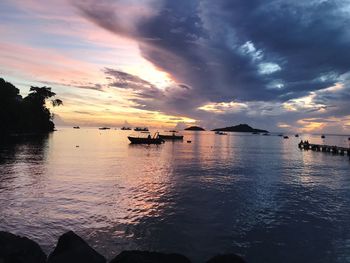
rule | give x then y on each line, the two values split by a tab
194	128
25	115
240	128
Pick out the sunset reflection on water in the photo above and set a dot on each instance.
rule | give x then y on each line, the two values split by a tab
249	194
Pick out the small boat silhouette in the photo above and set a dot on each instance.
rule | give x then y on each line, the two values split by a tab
172	136
141	129
146	140
220	133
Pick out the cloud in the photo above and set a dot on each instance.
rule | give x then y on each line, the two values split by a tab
83	112
280	52
148	96
47	65
122	16
252	44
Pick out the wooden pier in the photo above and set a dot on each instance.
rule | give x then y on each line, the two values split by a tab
324	148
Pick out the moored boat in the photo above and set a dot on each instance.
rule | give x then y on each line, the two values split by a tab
125	128
104	128
172	136
76	127
146	140
141	129
220	133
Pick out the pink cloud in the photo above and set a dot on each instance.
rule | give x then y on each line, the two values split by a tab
45	64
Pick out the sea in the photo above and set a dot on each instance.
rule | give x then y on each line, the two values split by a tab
258	196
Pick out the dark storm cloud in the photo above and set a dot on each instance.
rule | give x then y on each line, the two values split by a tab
226	50
307	38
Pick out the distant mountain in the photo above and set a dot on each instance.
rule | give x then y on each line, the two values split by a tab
240	128
194	128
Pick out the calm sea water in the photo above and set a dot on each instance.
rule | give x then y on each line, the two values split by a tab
258	196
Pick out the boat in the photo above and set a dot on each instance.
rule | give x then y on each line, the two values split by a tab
322	136
76	127
125	128
220	133
255	133
141	129
296	135
285	137
266	134
146	140
172	136
280	135
104	128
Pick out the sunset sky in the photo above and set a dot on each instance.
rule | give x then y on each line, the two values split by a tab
281	65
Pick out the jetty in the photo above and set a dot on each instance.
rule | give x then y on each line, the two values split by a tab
324	148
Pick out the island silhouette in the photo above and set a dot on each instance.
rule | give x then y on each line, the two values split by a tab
194	128
26	115
240	128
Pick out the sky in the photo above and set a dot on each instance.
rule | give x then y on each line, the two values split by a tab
280	65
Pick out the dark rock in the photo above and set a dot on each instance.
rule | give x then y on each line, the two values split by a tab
149	257
226	258
16	249
72	249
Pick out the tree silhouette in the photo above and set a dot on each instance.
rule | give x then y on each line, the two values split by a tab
56	102
29	114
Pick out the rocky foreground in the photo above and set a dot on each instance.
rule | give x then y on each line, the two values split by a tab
73	249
